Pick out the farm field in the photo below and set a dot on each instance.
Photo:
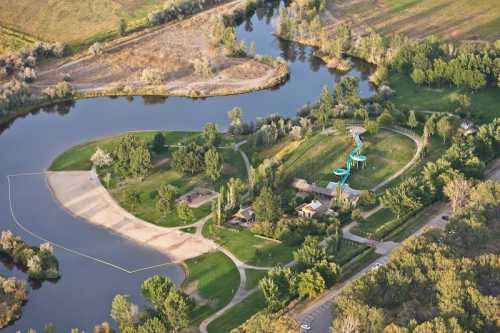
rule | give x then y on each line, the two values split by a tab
449	19
72	21
317	157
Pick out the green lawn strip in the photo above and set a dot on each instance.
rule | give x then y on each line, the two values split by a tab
78	157
238	314
248	248
316	158
215	279
370	225
484	102
253	277
348	250
413	224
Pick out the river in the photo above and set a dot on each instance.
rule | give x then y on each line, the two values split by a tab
83	295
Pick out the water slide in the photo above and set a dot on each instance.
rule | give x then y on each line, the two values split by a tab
344	173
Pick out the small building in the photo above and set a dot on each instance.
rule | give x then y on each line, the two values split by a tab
310	209
244	217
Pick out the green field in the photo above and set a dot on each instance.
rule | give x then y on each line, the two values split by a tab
485	102
248	248
78	158
317	157
368	227
238	314
11	41
73	21
215	279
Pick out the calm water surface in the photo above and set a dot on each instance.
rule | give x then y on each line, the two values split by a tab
82	297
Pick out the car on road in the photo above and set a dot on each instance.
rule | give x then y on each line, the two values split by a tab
376	266
305	327
445	217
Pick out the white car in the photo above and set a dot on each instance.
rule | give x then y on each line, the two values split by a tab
376	266
305	327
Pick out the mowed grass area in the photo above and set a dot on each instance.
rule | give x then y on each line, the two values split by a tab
485	102
215	279
316	158
253	277
78	158
248	248
449	19
369	226
238	314
73	21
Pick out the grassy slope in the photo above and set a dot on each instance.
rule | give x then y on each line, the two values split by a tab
238	314
450	19
316	158
70	20
485	103
372	223
244	245
216	279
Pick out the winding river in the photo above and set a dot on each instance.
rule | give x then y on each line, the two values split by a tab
82	297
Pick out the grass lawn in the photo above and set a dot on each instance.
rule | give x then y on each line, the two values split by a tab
484	102
73	21
316	158
215	279
78	158
253	277
348	250
238	314
369	226
248	248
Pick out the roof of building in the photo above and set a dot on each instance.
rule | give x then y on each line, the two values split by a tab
245	213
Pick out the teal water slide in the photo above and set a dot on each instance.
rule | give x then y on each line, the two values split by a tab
354	155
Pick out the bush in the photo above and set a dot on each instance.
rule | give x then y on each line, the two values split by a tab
61	90
153	76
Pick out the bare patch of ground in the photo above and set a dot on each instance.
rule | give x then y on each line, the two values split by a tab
170	50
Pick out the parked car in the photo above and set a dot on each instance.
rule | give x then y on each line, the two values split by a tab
445	217
305	327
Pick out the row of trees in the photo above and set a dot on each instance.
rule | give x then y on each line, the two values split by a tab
168	309
40	262
441	282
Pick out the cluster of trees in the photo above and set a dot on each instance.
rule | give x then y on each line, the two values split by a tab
60	90
431	62
13	294
195	157
267	322
440	282
226	36
40	262
229	200
22	64
168	309
466	157
301	20
312	273
177	9
13	94
131	157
